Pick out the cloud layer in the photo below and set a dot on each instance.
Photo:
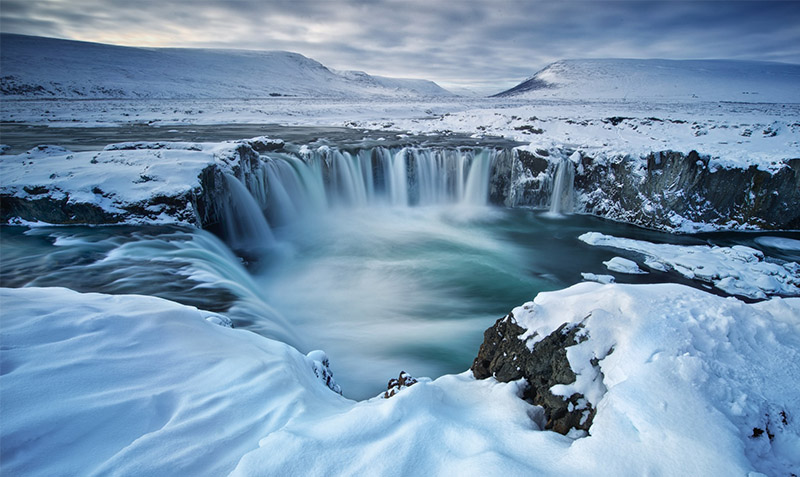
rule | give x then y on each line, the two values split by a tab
486	45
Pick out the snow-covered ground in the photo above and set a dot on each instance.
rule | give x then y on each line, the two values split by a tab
691	384
732	134
119	176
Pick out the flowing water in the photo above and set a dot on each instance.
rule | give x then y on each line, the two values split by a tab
388	259
380	289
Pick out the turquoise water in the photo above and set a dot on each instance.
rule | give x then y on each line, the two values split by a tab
380	289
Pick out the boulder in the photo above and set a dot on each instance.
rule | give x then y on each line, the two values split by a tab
506	357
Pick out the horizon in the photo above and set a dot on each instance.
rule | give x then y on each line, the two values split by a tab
484	47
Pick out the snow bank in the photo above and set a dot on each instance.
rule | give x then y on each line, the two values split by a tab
133	385
737	270
131	182
136	385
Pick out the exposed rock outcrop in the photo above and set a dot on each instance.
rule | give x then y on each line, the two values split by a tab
506	357
667	190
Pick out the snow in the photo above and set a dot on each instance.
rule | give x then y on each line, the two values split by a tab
623	265
99	384
683	80
593	277
737	270
121	175
52	68
138	385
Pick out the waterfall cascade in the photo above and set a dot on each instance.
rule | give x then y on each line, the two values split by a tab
285	186
245	227
561	198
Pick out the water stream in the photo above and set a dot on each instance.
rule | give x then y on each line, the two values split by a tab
388	259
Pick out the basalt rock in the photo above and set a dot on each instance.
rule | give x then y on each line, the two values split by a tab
506	357
664	188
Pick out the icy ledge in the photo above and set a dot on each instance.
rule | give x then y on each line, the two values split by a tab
737	270
696	385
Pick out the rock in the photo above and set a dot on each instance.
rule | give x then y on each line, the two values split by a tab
506	357
396	385
322	369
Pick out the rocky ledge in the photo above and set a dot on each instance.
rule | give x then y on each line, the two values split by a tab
507	355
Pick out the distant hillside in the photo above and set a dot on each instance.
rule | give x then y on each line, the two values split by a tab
36	67
691	80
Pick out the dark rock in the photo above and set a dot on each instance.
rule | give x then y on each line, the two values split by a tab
685	185
53	211
507	358
396	385
525	189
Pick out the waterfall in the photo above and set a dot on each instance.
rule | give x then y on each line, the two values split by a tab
476	190
561	198
330	178
285	186
245	227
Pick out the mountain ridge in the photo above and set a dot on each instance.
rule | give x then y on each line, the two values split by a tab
660	79
39	67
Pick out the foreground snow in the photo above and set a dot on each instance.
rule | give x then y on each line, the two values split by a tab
137	385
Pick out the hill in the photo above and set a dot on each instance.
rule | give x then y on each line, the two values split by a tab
36	67
669	80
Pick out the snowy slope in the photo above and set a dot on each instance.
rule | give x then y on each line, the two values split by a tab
51	68
680	80
132	385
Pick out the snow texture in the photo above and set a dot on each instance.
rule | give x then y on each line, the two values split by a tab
737	270
137	385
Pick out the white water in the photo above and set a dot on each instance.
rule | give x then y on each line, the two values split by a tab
244	223
561	198
287	188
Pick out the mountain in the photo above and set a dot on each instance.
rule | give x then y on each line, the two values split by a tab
670	80
36	67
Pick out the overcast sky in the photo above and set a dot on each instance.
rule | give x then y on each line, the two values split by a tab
486	45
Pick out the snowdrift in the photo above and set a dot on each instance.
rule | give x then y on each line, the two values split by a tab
695	385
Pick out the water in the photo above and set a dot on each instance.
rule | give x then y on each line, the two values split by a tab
381	289
387	257
561	198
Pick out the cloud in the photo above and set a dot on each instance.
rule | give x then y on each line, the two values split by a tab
475	43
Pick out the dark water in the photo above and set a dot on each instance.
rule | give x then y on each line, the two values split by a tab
380	289
22	137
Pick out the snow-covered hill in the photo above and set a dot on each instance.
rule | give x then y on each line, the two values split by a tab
669	80
36	67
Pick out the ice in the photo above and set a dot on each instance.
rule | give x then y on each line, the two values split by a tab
623	265
592	277
781	243
737	270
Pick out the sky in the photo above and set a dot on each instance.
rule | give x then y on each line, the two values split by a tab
482	45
